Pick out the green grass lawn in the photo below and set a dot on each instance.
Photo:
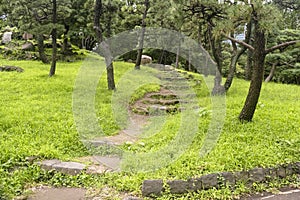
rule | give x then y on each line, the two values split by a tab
36	119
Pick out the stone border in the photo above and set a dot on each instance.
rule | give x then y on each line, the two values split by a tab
217	180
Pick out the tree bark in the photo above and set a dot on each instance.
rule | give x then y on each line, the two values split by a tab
108	57
217	54
248	68
97	15
161	59
141	42
43	57
269	78
54	43
65	49
110	67
257	75
177	55
236	56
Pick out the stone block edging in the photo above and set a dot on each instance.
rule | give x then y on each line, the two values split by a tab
217	180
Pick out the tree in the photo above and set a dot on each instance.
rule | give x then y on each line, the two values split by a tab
141	40
54	39
261	27
99	36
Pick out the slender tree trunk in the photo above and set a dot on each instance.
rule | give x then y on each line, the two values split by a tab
190	60
65	49
236	56
40	40
54	43
177	55
257	75
272	72
161	59
141	42
217	53
97	15
234	59
110	67
108	57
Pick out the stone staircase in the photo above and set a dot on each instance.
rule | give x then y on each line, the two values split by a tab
175	94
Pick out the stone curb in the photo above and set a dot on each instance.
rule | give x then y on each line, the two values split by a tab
217	180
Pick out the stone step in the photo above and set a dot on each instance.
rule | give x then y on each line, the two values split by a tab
160	101
161	67
112	162
177	87
71	168
162	95
173	78
100	165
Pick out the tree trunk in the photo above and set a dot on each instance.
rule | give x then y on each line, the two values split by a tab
236	56
257	75
217	54
141	42
40	40
110	67
108	57
190	60
248	68
65	47
269	78
110	75
98	13
161	59
234	59
54	44
177	55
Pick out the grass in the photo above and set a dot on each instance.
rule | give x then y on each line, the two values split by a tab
36	119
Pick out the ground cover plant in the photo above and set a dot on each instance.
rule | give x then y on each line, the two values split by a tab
37	120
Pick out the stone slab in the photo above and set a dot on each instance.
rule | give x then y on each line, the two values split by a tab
152	187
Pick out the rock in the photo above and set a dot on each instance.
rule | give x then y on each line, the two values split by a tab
6	38
297	167
179	186
289	170
146	59
242	176
27	47
152	187
195	184
132	198
27	36
271	173
209	181
11	68
257	175
228	178
281	172
72	168
47	164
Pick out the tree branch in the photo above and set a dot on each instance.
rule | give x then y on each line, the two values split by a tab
248	46
281	46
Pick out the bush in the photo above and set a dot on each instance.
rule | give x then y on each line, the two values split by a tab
290	76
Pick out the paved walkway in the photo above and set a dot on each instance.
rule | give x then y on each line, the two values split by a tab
293	194
59	194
